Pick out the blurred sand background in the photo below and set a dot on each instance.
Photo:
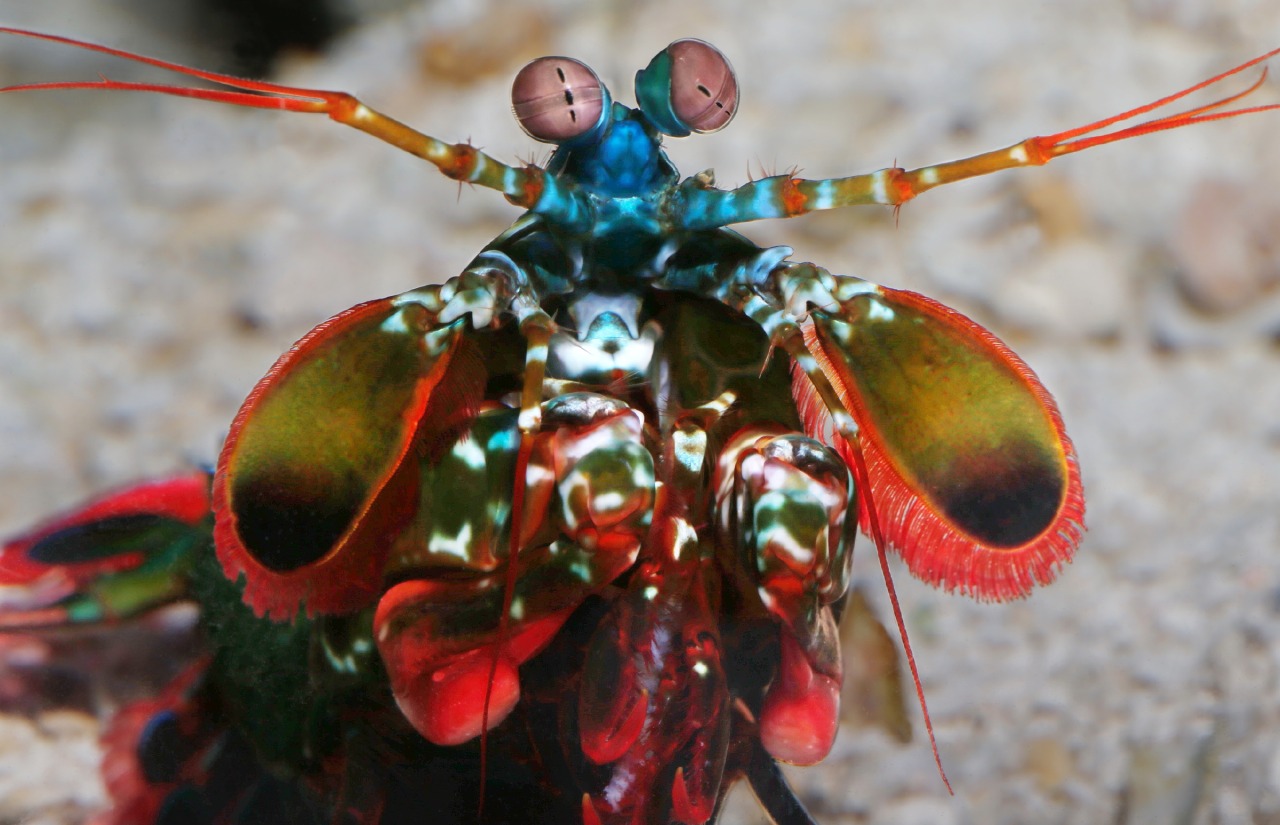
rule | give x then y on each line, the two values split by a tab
156	255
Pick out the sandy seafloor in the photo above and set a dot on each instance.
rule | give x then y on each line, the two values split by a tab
156	255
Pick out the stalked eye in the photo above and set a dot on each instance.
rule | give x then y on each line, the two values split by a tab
704	90
557	99
688	87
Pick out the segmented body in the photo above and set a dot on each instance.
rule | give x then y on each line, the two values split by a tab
604	483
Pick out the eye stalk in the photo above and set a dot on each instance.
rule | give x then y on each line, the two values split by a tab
688	87
558	99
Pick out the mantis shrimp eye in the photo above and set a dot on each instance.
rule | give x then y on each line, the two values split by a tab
557	99
704	90
688	87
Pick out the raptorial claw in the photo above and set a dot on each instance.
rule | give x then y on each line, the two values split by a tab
444	704
801	711
688	806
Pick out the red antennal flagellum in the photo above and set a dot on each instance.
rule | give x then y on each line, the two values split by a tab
459	161
862	479
1063	143
902	185
265	95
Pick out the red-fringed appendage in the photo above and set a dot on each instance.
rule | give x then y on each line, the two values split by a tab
152	746
971	473
308	495
34	573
